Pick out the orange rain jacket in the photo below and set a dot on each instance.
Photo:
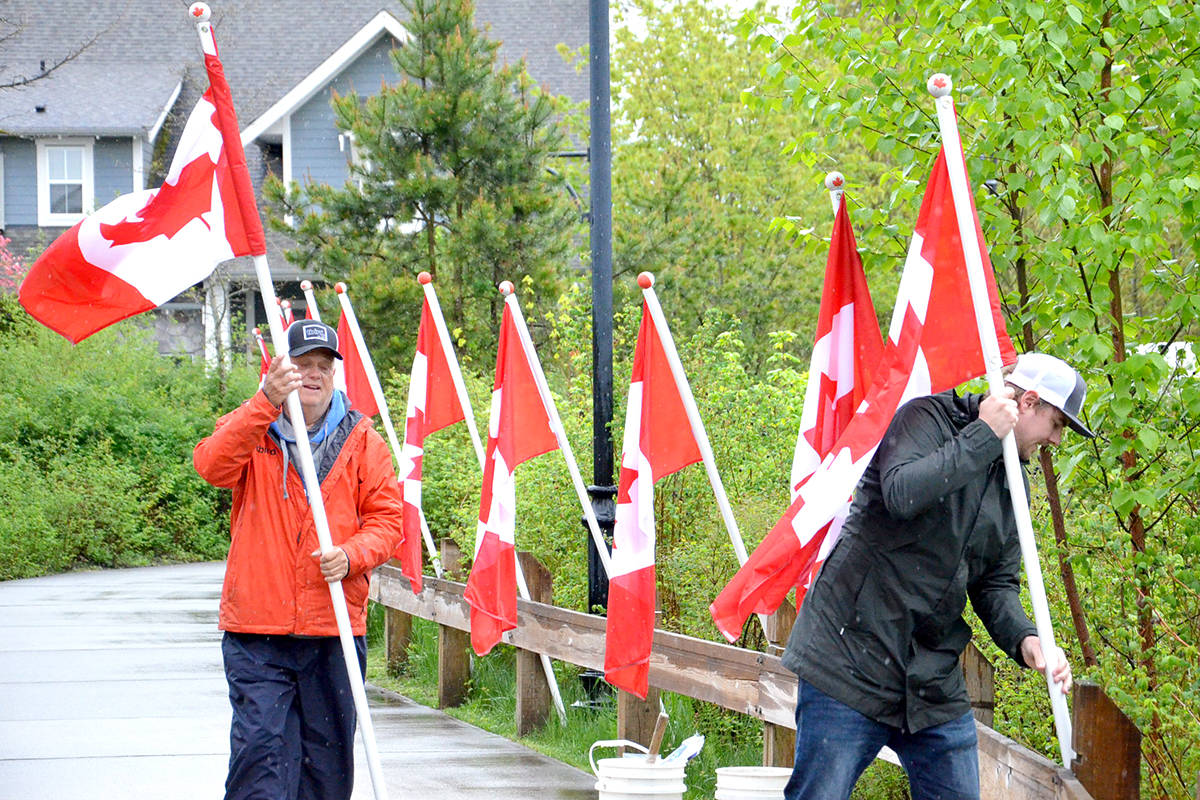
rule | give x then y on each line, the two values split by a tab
273	584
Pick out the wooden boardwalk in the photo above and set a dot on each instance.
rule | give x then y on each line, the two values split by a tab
111	686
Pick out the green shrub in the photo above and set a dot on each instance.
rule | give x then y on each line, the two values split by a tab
95	451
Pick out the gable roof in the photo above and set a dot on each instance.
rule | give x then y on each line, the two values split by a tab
382	24
269	48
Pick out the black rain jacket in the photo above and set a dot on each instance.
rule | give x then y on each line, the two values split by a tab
881	629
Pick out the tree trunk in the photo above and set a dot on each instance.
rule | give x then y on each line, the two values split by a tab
1136	524
1064	566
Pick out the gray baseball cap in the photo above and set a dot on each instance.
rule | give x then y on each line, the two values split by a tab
1056	382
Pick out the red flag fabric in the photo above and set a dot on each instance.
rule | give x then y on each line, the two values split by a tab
518	430
143	248
846	350
354	372
933	345
658	441
110	266
432	405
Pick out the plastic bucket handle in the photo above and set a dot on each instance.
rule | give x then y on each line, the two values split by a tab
611	743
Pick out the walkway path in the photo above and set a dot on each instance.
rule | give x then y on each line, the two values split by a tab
111	686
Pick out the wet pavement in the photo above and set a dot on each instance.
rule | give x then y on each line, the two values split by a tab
111	686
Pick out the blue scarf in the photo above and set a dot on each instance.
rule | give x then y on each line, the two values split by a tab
282	428
333	417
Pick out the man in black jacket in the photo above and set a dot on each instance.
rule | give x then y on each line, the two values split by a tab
880	632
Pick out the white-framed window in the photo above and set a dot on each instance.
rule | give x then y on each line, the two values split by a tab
66	186
347	141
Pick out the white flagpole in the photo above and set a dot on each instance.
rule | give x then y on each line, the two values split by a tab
310	299
835	184
201	14
460	387
940	86
506	289
646	282
464	400
381	401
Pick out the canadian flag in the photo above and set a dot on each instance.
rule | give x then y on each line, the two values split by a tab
354	373
658	441
518	430
432	405
933	345
143	248
845	353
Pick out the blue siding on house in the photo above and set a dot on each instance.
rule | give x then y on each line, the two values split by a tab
314	132
20	181
112	165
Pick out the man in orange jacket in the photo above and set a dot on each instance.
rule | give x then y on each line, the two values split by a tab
293	714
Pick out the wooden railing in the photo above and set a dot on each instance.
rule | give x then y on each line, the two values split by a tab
734	678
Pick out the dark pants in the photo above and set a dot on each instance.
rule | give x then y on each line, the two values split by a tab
292	736
835	743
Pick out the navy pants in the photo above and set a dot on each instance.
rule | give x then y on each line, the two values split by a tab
292	736
835	743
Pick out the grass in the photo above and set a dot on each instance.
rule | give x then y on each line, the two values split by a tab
730	738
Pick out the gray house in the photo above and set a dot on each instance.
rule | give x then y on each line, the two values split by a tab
93	96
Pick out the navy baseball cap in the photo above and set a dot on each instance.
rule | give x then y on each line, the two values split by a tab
305	335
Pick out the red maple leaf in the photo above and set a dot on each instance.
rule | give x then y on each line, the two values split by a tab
171	208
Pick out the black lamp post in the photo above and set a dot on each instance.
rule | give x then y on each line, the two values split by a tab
602	492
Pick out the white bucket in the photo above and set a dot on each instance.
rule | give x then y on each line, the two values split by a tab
751	783
631	778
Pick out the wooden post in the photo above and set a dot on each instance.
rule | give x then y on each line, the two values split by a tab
397	635
533	691
454	658
779	741
397	631
981	684
636	718
1108	760
779	746
779	627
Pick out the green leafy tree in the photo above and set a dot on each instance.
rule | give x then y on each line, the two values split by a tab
450	177
705	193
1081	123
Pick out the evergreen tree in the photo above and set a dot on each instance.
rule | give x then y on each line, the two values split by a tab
449	176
